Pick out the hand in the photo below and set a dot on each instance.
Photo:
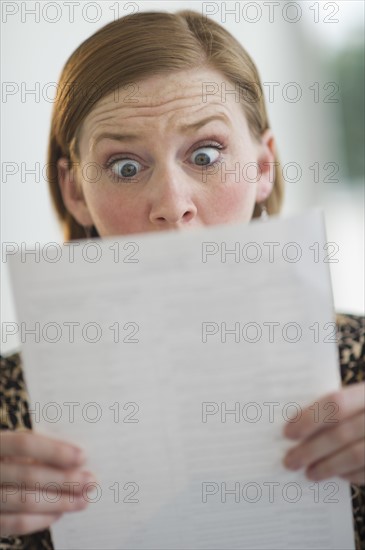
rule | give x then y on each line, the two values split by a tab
332	437
28	462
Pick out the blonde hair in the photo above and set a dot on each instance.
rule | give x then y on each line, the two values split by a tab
130	49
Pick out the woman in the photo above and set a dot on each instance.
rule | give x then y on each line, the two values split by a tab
142	131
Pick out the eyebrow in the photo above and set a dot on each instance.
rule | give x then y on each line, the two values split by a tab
184	128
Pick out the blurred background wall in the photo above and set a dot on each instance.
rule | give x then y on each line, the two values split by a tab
310	56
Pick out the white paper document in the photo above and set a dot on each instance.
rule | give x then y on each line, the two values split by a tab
173	359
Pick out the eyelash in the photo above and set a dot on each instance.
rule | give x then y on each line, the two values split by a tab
216	144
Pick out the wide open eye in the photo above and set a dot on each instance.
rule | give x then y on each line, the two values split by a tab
205	156
125	168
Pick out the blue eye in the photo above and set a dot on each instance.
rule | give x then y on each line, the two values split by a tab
205	156
125	168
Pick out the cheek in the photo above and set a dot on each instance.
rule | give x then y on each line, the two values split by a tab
234	188
233	201
112	213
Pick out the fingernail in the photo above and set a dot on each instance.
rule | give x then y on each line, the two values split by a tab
292	462
80	455
289	433
88	477
80	502
313	475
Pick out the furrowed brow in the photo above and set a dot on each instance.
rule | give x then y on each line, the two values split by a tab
114	136
190	128
184	128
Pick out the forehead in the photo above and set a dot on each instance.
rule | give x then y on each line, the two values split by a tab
163	100
159	90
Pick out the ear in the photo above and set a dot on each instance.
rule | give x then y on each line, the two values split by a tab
266	164
72	194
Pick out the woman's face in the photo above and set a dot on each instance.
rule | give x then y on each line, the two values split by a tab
174	158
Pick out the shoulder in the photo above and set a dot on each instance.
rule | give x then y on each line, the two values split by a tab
11	374
351	347
14	410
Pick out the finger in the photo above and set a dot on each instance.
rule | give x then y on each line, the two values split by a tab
349	459
24	524
19	500
326	442
39	447
327	412
357	477
36	476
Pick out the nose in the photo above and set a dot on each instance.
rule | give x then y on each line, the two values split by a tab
171	201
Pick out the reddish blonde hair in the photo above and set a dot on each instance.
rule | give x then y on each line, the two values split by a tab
127	51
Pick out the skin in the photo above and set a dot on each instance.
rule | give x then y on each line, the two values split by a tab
168	192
